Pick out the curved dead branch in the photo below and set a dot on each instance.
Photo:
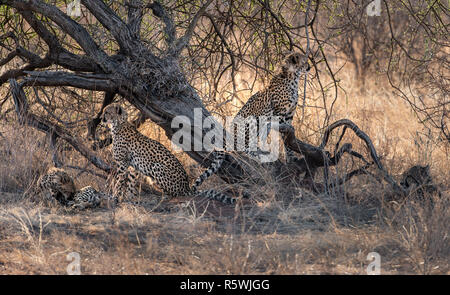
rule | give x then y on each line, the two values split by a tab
169	29
316	157
95	82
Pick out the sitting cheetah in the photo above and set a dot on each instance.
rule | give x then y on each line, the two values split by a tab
279	99
57	184
131	148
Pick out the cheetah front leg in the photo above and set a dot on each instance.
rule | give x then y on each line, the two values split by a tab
246	136
121	181
128	180
132	192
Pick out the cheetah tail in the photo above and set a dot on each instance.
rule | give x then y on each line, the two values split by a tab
215	195
219	157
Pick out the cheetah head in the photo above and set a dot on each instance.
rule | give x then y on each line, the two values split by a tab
417	175
114	114
59	182
296	62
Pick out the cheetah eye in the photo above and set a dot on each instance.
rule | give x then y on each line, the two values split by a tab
293	59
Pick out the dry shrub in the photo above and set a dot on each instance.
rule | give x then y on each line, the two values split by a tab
22	158
423	232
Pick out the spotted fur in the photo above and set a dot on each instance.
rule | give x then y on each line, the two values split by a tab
57	184
149	157
88	197
417	179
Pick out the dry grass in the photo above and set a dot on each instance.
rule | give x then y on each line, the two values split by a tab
273	239
279	231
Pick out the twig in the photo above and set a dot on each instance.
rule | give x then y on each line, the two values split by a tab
307	54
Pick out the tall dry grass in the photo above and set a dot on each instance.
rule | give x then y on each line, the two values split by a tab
282	230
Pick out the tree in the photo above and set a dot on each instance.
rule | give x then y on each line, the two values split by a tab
143	71
119	49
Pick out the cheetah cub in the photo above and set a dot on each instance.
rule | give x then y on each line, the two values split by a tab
59	185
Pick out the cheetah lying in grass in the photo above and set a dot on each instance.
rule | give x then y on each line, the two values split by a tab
57	184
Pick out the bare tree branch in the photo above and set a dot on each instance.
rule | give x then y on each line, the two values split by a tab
58	54
135	12
109	19
318	157
266	6
184	40
160	12
75	30
95	82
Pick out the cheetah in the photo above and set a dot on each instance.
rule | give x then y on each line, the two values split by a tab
88	197
279	99
149	157
59	185
417	179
